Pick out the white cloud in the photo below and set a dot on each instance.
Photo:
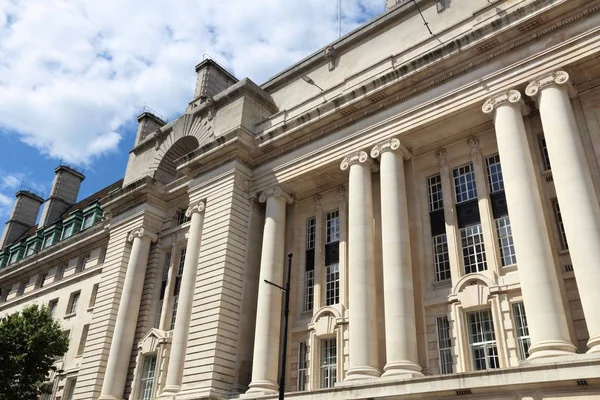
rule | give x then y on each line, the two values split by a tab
6	205
73	71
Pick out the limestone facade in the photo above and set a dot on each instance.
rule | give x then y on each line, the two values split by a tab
440	198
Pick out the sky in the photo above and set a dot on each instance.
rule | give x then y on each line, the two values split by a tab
74	74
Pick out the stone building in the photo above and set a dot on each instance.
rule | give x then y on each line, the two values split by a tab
439	194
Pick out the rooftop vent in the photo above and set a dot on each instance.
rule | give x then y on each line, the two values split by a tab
463	392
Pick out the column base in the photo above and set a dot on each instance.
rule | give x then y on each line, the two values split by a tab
551	348
364	372
400	369
594	345
263	387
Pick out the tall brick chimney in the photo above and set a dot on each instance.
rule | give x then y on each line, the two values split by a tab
24	214
67	180
212	79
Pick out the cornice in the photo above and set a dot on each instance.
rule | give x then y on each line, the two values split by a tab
350	107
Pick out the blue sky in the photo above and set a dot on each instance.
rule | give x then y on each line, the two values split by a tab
74	74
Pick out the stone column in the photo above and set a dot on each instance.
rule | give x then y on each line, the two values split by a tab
361	269
400	325
539	283
165	313
574	190
186	297
127	315
268	308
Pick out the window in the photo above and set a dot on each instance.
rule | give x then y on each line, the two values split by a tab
69	389
22	287
332	287
72	308
309	274
147	380
177	287
5	293
441	261
494	170
163	289
31	249
41	279
444	344
52	305
88	221
545	156
302	365
505	241
482	340
521	330
48	241
181	217
84	334
434	189
67	231
464	183
81	263
60	271
328	362
564	245
333	226
93	296
473	249
14	257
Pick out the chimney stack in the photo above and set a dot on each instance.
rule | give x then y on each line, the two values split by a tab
212	79
65	188
23	216
148	122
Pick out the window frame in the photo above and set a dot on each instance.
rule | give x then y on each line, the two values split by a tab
147	383
328	363
332	226
493	167
506	244
73	303
441	263
302	366
467	172
522	337
560	226
479	250
82	340
486	345
442	324
332	284
435	198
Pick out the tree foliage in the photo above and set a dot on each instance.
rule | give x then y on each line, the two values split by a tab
30	343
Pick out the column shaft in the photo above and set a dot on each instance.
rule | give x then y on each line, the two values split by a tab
184	303
268	309
362	302
400	325
166	307
539	282
575	191
115	375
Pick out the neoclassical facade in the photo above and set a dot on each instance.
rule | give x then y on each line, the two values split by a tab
439	194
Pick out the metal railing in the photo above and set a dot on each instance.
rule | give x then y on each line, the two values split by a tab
149	110
25	188
74	167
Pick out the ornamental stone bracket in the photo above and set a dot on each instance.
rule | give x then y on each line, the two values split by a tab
275	191
441	156
510	97
392	144
142	232
558	78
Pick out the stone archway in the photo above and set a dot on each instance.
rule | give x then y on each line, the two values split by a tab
167	168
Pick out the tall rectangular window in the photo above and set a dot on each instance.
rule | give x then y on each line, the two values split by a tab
309	272
52	305
73	301
441	260
494	169
328	363
473	249
41	280
505	241
464	183
69	388
444	344
94	295
177	286
434	190
333	226
545	156
182	218
147	380
332	257
564	245
521	330
302	366
482	340
84	334
81	262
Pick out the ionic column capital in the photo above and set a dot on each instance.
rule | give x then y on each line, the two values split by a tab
392	144
275	191
359	157
197	207
142	232
555	78
510	97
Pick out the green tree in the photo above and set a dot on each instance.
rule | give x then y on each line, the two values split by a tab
30	342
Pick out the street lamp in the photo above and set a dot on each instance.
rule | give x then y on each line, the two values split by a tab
286	314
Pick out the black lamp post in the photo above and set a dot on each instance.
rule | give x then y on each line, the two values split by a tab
286	314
